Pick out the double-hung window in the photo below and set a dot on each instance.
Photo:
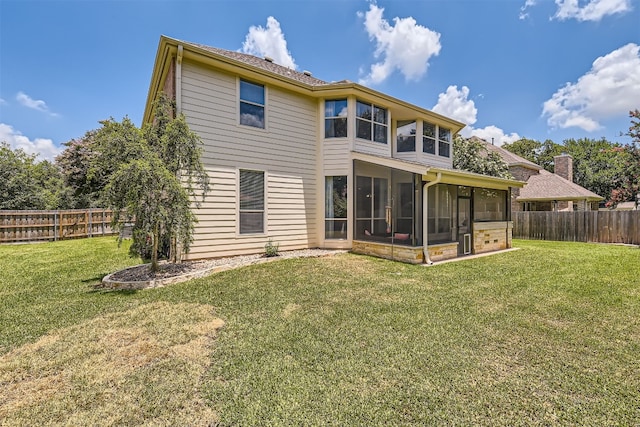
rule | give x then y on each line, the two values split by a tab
252	103
444	142
371	122
428	138
335	118
251	195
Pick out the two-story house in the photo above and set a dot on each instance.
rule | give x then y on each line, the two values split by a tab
308	163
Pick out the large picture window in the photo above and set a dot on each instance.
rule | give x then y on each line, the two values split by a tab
335	118
252	103
371	122
490	205
251	202
335	207
406	136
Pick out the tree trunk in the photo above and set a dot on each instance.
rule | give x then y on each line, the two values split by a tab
154	250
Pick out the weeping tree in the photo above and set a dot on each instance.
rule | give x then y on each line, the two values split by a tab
160	186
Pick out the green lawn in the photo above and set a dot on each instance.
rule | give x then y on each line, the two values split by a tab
547	335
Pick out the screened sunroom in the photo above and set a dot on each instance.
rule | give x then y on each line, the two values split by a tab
420	214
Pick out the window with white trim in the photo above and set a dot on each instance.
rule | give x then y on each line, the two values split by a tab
406	136
251	209
252	104
335	118
428	138
335	207
444	142
371	122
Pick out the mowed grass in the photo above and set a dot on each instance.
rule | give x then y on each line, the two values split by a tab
547	335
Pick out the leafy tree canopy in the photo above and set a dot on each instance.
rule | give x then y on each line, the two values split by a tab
27	184
471	155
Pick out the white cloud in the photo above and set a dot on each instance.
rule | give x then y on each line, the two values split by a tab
523	10
594	10
493	134
35	104
405	46
270	42
454	103
610	88
3	102
44	147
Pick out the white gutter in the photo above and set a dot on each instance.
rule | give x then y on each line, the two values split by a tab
425	218
179	80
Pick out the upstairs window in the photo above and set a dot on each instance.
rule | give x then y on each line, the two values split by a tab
251	202
429	138
335	118
371	122
252	103
406	136
444	142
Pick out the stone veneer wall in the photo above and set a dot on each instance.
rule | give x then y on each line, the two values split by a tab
443	251
412	255
492	236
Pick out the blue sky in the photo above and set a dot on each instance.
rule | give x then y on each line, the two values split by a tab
541	69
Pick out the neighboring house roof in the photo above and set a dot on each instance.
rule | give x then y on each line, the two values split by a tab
508	157
625	206
549	186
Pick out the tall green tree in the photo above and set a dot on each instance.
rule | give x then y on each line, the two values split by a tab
74	162
28	184
540	153
161	185
470	155
598	164
629	185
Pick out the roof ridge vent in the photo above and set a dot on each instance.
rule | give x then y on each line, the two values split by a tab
307	73
268	58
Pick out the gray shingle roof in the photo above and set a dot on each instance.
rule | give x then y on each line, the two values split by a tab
549	186
262	63
508	157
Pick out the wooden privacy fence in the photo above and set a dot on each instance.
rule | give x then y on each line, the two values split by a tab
579	226
31	225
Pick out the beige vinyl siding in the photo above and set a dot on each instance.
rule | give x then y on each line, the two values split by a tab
285	151
335	157
435	160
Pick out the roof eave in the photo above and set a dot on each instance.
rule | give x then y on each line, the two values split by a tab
559	199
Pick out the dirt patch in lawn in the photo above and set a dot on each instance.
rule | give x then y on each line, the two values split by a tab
140	366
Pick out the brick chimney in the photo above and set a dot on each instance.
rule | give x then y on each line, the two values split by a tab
563	166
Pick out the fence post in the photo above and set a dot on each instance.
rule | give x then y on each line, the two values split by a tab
89	225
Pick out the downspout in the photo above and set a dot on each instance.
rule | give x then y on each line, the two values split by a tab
179	80
425	217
